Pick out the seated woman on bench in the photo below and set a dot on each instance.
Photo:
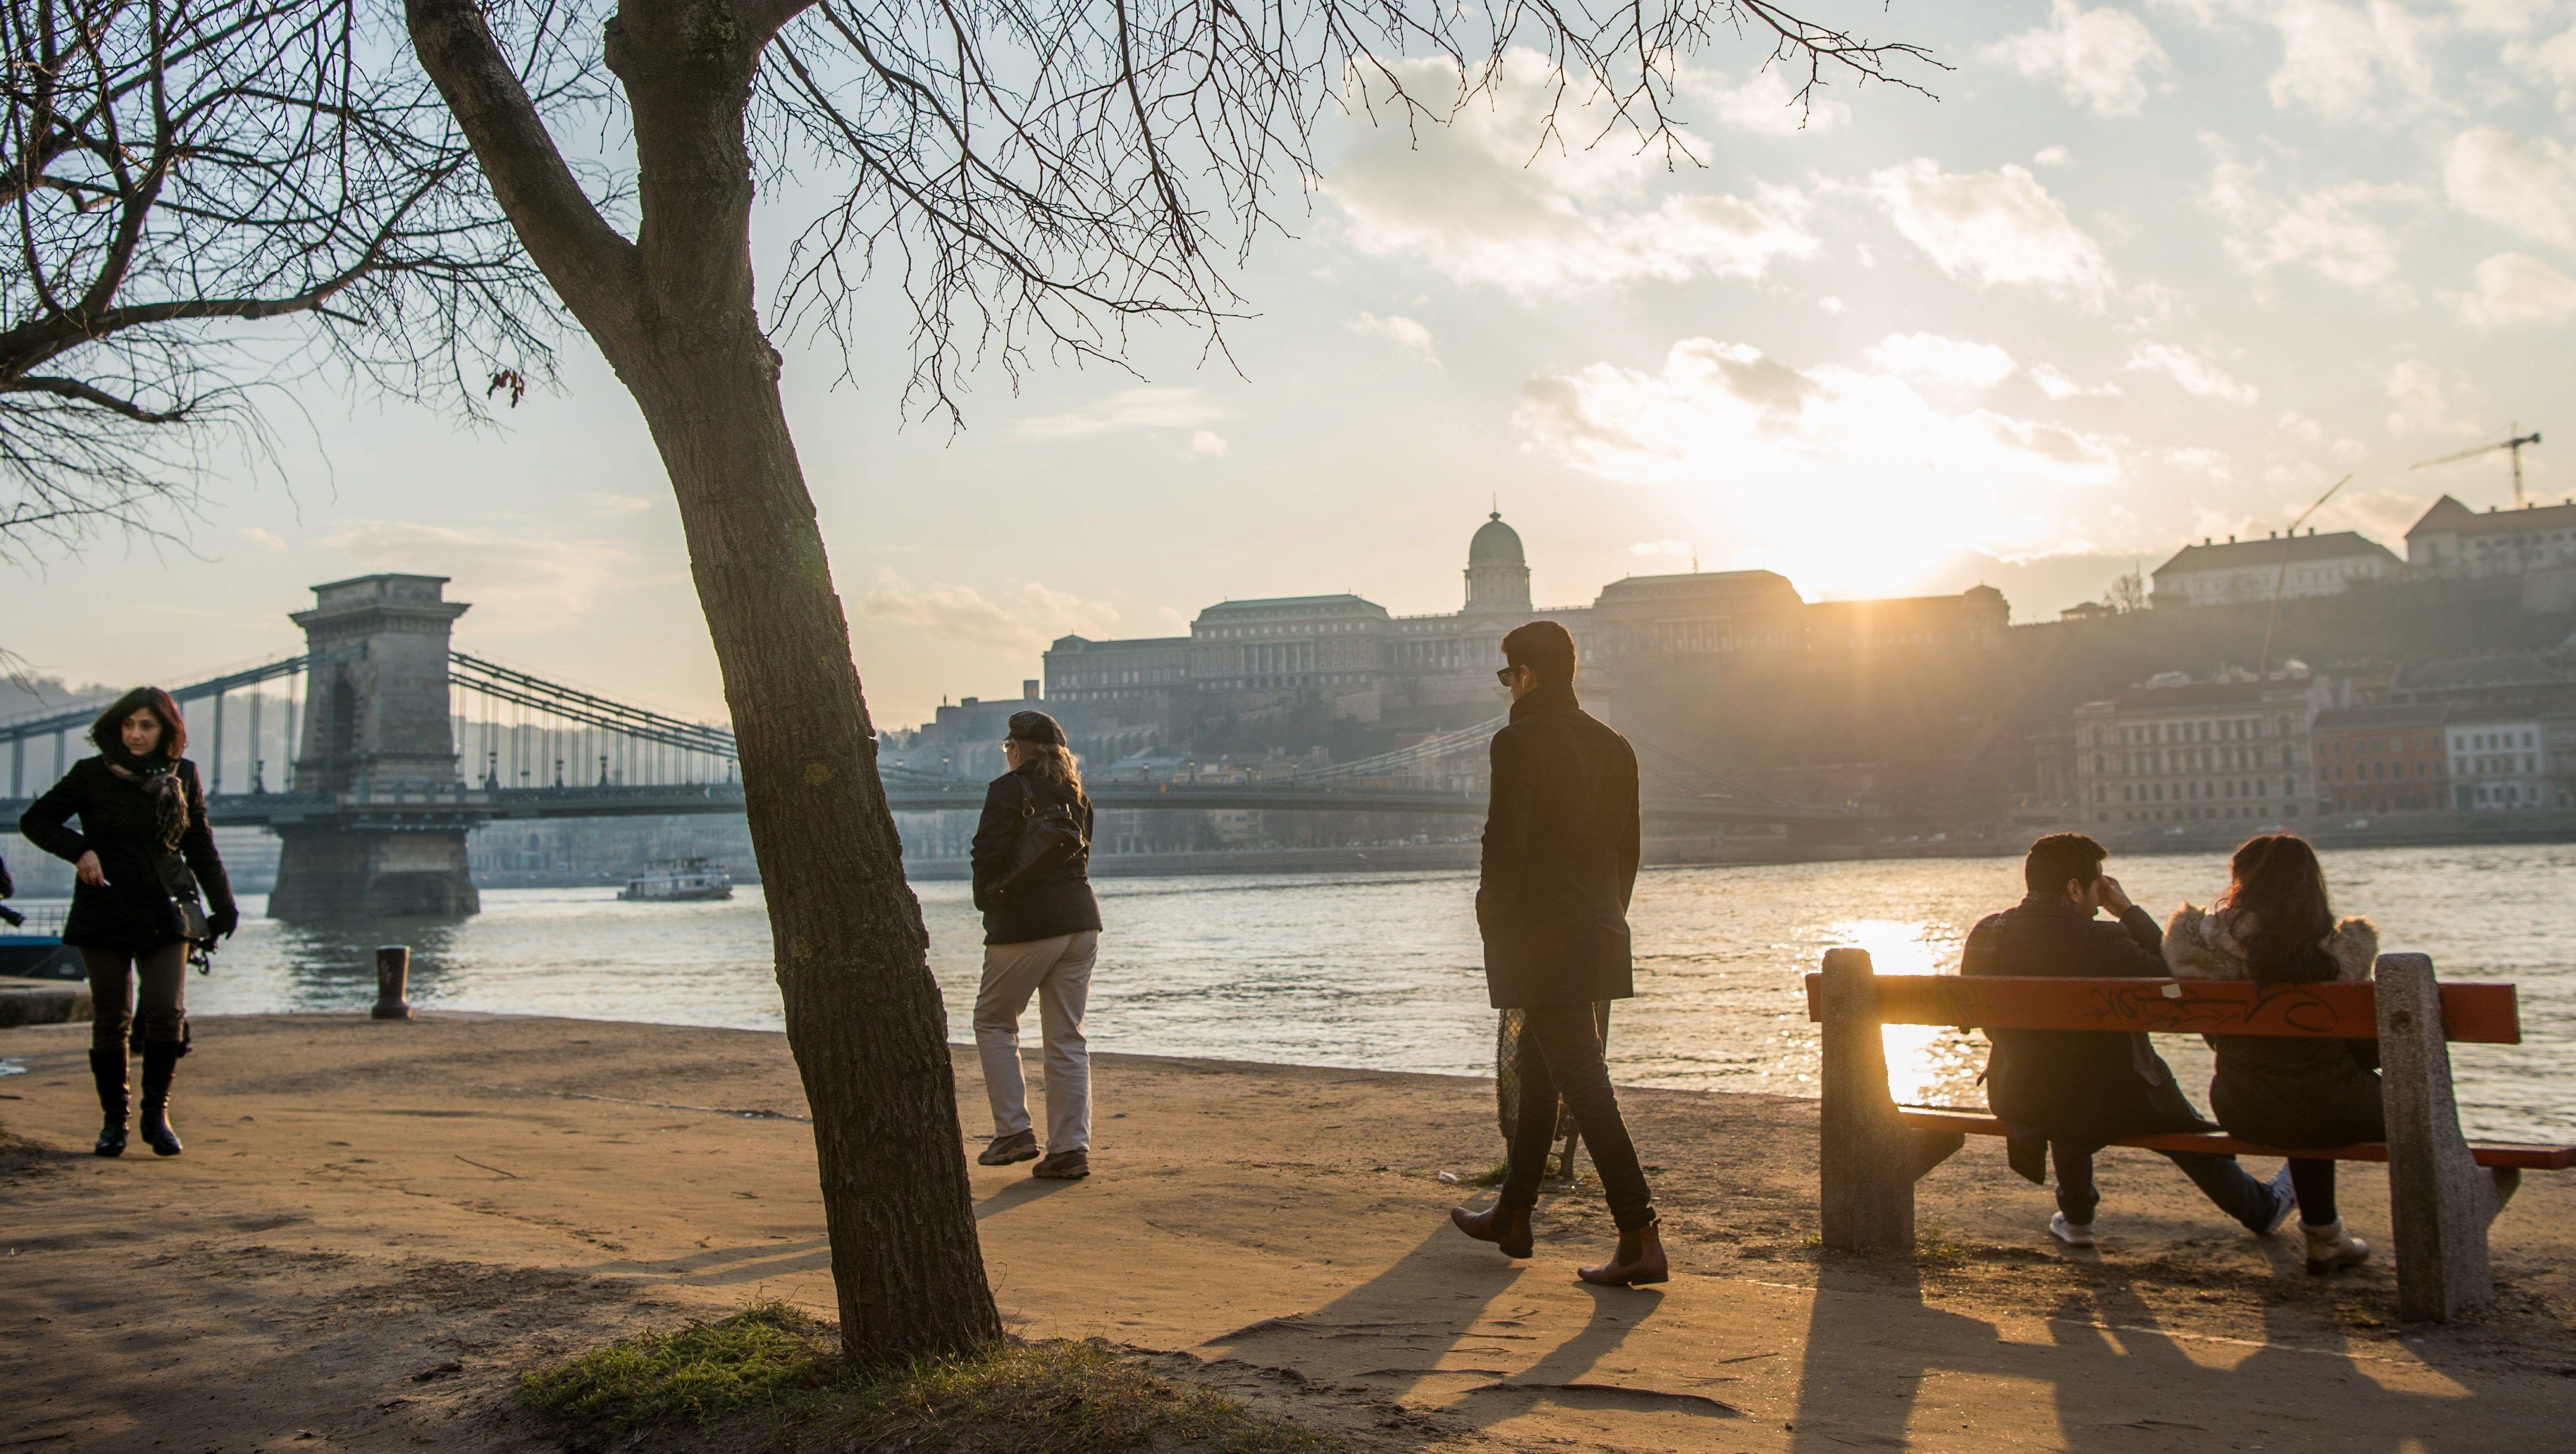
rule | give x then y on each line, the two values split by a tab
2274	926
2077	1091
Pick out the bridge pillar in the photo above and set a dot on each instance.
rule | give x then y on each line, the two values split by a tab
376	730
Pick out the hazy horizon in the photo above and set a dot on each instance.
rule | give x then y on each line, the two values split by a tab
2140	275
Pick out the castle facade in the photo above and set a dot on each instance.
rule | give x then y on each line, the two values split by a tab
1364	661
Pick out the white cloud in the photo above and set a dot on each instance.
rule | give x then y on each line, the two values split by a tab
2196	373
2096	58
2550	62
1024	620
1847	478
1208	444
1140	408
1407	335
1929	358
605	502
2052	156
1992	227
2058	386
1492	200
2329	232
2348	61
2514	288
2501	17
1764	103
2420	399
259	539
526	578
2528	188
2300	427
1673	549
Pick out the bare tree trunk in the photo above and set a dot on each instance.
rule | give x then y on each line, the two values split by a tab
674	312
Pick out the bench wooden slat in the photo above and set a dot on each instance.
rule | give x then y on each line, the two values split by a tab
2484	1014
2499	1153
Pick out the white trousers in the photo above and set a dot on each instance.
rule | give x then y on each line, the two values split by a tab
1058	972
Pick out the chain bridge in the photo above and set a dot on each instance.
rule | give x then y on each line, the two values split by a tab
373	752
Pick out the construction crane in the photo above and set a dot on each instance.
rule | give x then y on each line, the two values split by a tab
2511	444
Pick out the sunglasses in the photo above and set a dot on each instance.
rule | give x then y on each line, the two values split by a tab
1505	675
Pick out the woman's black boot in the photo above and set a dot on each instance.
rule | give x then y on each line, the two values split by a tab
107	1067
159	1060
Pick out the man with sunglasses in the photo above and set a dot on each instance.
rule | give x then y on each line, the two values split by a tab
1561	849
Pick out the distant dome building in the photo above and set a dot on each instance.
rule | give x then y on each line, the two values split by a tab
1498	577
1355	658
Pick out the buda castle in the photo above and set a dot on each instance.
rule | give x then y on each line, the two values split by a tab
1362	661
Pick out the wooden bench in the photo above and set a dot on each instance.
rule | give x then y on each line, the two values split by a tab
2442	1191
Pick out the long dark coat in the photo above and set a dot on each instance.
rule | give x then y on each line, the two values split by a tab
2090	1087
131	912
1055	902
1561	848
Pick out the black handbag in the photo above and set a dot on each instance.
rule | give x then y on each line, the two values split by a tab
186	917
1051	836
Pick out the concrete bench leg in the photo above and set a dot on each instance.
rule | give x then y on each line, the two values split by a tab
1869	1160
2439	1199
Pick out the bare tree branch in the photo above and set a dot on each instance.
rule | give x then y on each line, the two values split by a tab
207	198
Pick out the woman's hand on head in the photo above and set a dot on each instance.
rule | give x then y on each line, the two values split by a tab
86	869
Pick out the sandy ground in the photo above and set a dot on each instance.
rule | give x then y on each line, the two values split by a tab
375	1223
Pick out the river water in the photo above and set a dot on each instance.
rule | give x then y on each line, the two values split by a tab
1380	970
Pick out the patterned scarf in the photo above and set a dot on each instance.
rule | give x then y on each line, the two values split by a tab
159	777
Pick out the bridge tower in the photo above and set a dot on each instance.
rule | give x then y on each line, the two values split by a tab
376	731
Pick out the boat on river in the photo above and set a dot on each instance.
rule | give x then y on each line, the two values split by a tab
34	948
679	880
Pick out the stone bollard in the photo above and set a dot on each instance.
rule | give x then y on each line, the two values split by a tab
393	971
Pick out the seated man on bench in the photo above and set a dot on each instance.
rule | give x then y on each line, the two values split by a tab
2076	1091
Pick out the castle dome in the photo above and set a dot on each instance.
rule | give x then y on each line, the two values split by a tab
1495	543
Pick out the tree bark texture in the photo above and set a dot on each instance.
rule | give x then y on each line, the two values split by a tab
674	312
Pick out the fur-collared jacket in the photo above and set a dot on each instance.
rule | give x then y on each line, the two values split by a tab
2289	1092
2202	944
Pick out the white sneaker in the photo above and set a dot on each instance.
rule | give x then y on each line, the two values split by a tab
2073	1234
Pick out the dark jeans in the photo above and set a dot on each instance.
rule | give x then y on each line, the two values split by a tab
113	974
1560	1056
2218	1177
2315	1181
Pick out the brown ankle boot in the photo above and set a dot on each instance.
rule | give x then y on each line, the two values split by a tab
1505	1227
1640	1259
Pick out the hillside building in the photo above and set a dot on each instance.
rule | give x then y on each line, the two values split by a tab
2454	540
2383	759
2236	572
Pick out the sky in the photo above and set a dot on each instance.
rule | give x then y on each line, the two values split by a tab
2133	275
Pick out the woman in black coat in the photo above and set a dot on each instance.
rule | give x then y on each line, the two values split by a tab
142	855
1032	859
2274	926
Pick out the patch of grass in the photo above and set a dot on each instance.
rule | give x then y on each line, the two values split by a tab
768	1356
773	1364
1491	1176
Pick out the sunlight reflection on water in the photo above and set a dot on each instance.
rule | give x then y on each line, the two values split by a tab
1381	971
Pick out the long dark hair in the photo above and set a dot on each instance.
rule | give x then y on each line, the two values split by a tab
109	730
2277	882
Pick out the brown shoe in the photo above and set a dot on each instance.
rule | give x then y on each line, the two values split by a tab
1063	1166
1505	1227
1639	1260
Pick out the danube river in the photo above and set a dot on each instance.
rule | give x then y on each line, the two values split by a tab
1380	971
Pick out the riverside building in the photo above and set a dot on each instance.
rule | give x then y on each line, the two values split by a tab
2177	750
1362	661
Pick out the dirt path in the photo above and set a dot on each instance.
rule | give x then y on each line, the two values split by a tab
374	1222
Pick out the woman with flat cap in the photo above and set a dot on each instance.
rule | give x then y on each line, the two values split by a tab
1032	859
